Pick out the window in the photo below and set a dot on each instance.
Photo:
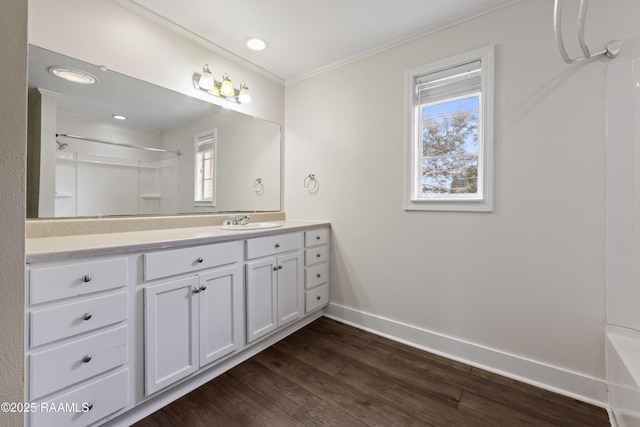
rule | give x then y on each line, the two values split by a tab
450	147
205	168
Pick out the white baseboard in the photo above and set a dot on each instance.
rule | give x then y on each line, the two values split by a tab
558	380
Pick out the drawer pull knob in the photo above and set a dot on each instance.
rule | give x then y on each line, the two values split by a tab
196	290
86	359
203	288
318	255
86	316
86	278
318	275
200	260
317	237
277	245
318	298
278	267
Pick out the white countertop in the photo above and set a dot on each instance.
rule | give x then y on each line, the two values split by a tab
45	249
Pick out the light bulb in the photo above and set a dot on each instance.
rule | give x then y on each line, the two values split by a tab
206	79
226	88
244	96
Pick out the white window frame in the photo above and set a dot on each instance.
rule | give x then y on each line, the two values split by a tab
209	201
483	202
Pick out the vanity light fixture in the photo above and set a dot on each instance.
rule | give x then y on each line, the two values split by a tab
223	89
73	75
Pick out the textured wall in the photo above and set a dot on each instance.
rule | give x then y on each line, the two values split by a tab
13	110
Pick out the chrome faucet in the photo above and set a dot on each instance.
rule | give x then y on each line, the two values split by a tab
243	220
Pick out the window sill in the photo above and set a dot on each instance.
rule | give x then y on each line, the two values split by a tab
458	205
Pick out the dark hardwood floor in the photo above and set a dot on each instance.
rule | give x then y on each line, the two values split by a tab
331	374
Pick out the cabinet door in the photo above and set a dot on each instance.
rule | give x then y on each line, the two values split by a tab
220	313
290	292
171	332
261	298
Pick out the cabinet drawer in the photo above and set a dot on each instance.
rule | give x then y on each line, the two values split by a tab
185	260
69	280
316	237
316	298
316	255
272	245
71	319
314	276
86	404
61	366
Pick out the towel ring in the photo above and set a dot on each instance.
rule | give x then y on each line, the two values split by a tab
258	186
311	183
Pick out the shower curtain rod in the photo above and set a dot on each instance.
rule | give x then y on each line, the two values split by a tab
613	47
119	144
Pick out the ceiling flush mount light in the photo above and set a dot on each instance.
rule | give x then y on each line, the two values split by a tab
73	75
119	117
256	44
224	89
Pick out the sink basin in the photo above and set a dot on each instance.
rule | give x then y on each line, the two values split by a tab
251	226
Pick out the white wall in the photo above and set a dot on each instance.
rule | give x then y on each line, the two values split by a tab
527	279
102	32
247	149
13	140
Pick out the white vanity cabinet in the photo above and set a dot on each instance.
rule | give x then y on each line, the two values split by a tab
274	287
195	318
121	331
77	346
316	269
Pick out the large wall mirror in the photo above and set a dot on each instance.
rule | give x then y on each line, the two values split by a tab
172	154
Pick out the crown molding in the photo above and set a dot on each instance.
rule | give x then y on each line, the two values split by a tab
190	35
432	29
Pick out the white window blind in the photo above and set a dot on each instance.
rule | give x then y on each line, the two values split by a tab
207	142
448	83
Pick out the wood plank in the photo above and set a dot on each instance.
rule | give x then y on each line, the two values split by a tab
357	402
343	333
332	374
410	372
407	398
304	406
496	414
582	412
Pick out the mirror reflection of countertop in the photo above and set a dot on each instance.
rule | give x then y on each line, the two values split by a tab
60	248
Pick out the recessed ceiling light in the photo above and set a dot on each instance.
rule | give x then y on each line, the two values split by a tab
73	75
256	44
119	117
